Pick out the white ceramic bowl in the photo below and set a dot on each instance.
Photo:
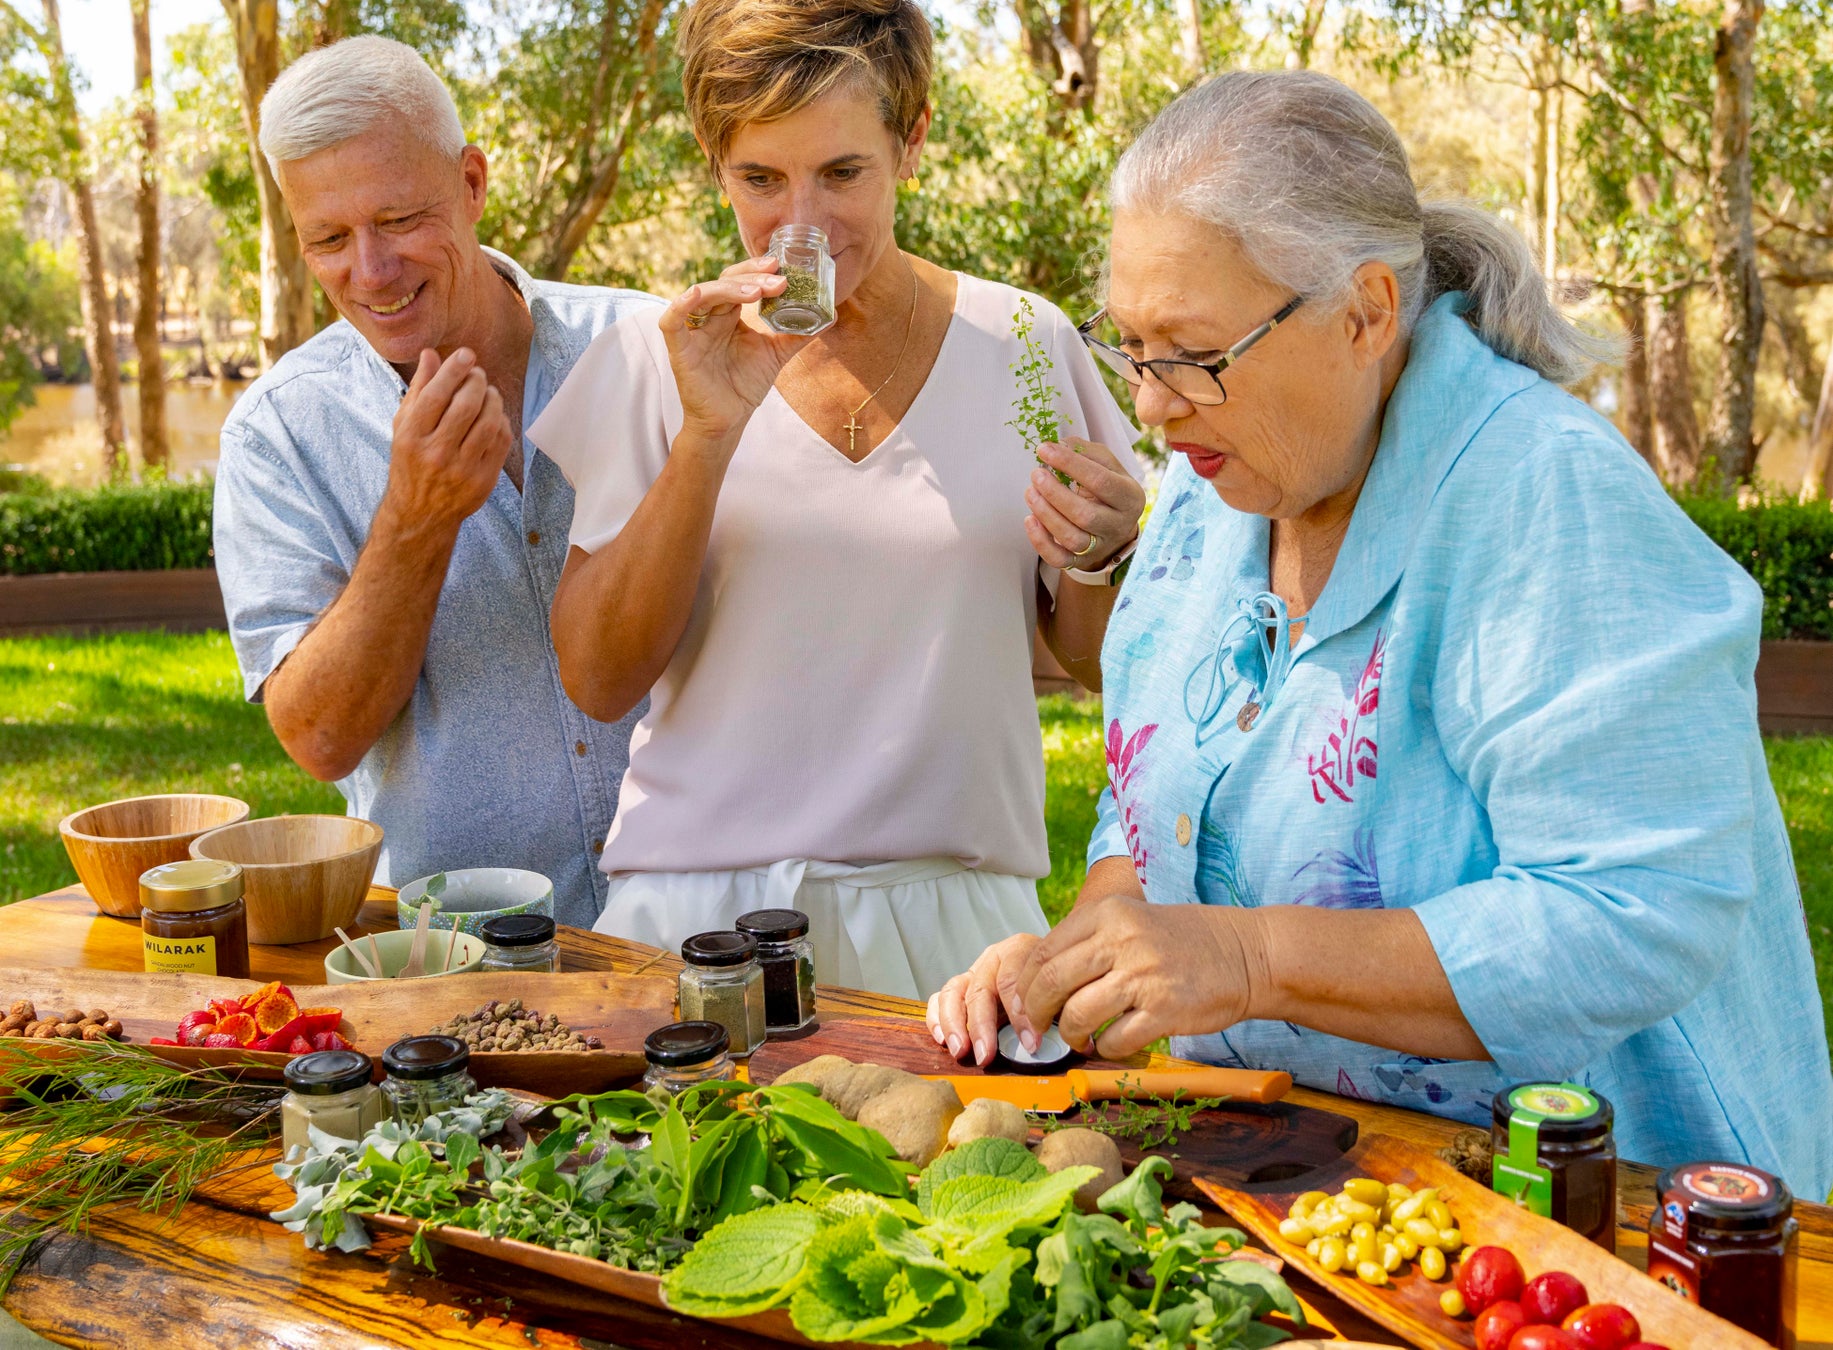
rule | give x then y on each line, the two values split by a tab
473	895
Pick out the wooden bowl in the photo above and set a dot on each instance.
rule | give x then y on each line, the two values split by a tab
305	875
112	844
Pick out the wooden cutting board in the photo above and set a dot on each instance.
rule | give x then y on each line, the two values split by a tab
1237	1143
619	1009
1408	1305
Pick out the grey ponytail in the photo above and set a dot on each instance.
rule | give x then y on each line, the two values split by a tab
1312	182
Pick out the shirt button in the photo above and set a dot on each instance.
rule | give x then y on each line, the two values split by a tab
1249	714
534	538
598	846
1183	831
579	747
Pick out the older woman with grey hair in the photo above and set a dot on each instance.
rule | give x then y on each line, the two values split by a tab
1432	746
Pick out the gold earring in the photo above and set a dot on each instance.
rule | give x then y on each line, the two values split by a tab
912	183
724	201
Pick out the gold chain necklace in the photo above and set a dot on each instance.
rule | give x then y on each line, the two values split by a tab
853	426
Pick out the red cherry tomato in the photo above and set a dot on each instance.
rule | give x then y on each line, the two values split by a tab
1489	1275
1543	1338
1552	1297
1603	1326
1497	1324
1646	1345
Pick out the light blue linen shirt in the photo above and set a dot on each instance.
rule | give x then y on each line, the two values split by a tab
1524	707
490	763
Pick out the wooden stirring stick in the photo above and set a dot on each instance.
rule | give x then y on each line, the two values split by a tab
416	956
451	942
356	954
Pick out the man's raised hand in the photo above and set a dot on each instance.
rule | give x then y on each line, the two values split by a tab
451	437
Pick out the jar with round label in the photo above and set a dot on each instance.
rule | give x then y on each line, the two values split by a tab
1556	1154
1723	1235
685	1053
193	920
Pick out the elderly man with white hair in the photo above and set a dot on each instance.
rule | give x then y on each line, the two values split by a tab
388	542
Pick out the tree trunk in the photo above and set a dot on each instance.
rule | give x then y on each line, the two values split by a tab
154	450
98	327
1677	442
598	177
1734	248
1818	481
1635	408
1549	246
1063	49
1543	175
1190	33
286	286
1304	44
1800	365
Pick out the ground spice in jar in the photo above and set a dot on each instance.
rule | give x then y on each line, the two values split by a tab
722	983
788	961
806	305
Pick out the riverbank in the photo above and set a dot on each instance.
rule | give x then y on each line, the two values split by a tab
58	438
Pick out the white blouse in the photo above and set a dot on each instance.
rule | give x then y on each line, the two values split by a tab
854	684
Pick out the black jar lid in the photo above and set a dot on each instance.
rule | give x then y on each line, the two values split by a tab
773	925
719	949
681	1044
517	930
324	1073
418	1058
1728	1197
1568	1113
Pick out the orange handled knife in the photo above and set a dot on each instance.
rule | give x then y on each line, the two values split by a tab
1061	1092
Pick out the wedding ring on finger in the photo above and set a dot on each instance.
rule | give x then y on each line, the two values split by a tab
1093	539
697	320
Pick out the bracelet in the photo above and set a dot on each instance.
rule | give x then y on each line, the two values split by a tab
1111	574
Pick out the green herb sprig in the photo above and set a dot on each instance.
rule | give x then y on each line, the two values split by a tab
1035	416
116	1125
1150	1122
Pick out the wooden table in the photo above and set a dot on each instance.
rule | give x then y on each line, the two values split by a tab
219	1273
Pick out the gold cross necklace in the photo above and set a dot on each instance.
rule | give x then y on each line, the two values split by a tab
853	425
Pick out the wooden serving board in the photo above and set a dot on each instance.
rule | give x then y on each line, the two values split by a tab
619	1009
1237	1143
1408	1305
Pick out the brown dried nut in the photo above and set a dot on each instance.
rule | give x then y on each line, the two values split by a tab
12	1022
69	1029
24	1005
11	1032
72	1015
112	1029
92	1032
43	1031
95	1015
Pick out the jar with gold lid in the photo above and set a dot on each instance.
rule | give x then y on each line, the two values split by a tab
193	919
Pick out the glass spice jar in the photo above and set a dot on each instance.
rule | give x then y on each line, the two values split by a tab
1724	1236
193	919
1556	1154
787	958
722	983
426	1075
520	942
331	1091
806	305
685	1053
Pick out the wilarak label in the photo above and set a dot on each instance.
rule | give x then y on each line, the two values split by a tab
177	956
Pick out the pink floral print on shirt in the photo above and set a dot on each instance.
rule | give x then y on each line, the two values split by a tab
1348	754
1123	760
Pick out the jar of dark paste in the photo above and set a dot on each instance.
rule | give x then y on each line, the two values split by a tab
426	1075
1556	1154
685	1053
722	983
1723	1236
193	919
520	942
787	958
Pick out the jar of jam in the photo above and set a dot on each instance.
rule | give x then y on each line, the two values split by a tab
1724	1236
787	958
685	1053
193	919
520	942
1555	1154
426	1075
722	983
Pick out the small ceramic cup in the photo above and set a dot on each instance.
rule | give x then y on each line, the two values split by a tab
394	949
474	895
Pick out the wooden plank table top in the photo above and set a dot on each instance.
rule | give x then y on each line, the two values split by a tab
220	1274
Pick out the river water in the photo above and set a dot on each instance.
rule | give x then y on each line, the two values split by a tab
58	437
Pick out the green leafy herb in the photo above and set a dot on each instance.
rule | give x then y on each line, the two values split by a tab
1035	416
1150	1122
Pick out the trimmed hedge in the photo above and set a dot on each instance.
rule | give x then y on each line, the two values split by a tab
131	528
1787	546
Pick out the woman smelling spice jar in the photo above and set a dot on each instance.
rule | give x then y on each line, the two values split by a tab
1556	1154
722	983
685	1053
1724	1237
331	1091
787	958
426	1075
193	920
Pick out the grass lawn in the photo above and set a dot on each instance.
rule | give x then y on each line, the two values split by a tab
86	721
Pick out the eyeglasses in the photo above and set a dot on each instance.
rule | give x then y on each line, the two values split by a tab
1197	382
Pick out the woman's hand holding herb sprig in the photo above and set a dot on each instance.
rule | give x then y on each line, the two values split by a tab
1101	501
723	367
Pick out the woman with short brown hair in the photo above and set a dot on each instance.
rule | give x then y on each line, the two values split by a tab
824	557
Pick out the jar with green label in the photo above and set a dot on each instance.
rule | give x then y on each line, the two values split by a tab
193	920
1556	1154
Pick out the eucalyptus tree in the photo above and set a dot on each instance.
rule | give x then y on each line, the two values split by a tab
154	450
